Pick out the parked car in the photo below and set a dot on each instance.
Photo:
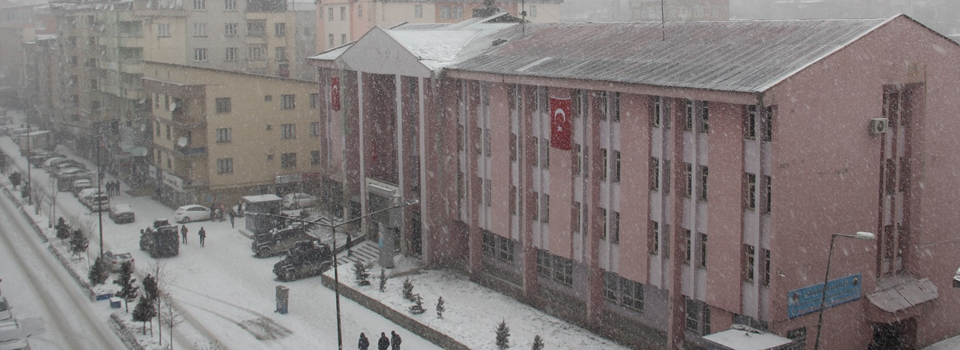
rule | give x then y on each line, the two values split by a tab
52	162
192	212
70	171
122	213
94	199
298	200
5	313
69	163
79	185
117	259
65	183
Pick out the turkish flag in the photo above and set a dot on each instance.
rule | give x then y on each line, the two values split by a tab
335	93
561	130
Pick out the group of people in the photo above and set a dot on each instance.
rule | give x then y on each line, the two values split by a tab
384	343
202	233
113	188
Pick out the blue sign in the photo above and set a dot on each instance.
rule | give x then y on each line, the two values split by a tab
805	300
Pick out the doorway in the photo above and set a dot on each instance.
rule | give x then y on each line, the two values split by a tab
894	336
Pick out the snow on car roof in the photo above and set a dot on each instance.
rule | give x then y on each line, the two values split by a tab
261	198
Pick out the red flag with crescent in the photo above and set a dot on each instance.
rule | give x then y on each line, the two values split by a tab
335	93
561	130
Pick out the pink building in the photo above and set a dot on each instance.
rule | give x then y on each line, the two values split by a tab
687	179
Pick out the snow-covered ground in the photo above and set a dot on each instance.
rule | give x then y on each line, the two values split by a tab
226	295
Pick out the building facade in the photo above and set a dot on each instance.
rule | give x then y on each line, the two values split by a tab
666	190
680	10
216	139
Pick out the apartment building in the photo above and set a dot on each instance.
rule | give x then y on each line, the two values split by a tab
342	21
662	191
220	134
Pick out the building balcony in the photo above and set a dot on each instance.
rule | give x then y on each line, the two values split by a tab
191	151
187	120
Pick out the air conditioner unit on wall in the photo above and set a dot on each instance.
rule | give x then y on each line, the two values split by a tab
878	126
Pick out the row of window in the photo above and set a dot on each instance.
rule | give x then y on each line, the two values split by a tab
228	5
256	27
623	291
224	105
287	131
287	161
254	53
497	247
554	267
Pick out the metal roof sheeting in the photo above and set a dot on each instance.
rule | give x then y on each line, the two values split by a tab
902	292
739	56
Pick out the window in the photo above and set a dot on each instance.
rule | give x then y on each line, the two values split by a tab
513	147
615	228
798	336
749	257
330	14
666	241
168	132
343	39
575	217
545	154
280	29
418	11
513	200
257	27
688	116
765	255
543	263
444	12
767	194
486	143
750	123
163	30
93	84
505	251
288	160
535	148
232	54
224	135
687	246
315	129
288	131
632	294
611	286
704	119
586	156
698	316
563	270
287	102
359	11
280	53
230	29
314	158
616	166
666	176
688	175
614	110
751	197
199	5
223	105
576	159
314	100
704	173
199	29
654	174
657	112
230	5
158	130
458	11
535	211
200	55
703	250
603	161
224	166
768	124
653	238
343	13
330	38
544	208
602	220
489	244
533	10
487	192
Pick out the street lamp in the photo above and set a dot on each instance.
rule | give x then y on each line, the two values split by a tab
336	275
866	236
99	179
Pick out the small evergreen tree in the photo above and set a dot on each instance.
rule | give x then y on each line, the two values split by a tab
63	229
503	335
537	343
15	179
383	280
143	312
417	307
408	289
128	291
78	242
99	272
440	308
361	273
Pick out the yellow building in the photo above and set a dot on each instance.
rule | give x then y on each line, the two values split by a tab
220	135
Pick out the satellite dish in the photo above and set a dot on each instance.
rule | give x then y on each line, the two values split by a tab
143	127
182	142
173	105
103	52
98	6
111	7
173	5
149	5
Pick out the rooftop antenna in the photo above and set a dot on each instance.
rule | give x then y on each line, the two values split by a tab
523	17
663	20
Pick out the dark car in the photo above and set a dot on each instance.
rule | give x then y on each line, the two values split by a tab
122	213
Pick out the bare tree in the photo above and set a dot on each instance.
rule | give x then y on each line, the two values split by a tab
170	316
164	280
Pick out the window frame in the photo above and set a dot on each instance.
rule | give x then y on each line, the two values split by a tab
288	102
288	160
288	131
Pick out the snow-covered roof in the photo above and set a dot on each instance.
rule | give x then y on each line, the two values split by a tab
261	198
745	340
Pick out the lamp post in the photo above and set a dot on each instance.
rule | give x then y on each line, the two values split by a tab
333	228
99	140
866	236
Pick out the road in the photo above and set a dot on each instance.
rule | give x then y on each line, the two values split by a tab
47	301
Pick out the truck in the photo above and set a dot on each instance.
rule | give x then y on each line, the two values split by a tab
278	241
305	259
160	240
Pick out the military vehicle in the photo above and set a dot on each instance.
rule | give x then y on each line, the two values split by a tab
161	240
276	242
305	259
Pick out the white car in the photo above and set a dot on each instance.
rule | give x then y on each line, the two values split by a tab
5	313
192	212
70	171
298	200
116	260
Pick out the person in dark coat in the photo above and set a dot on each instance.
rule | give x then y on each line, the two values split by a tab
203	235
232	216
395	340
183	232
384	343
364	343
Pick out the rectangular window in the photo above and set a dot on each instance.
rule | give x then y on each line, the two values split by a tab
666	176
330	17
603	164
163	30
199	5
616	166
604	105
168	132
478	141
704	118
688	175
657	112
576	159
513	200
632	294
586	157
489	244
751	197
611	286
232	54
200	55
343	39
535	147
765	255
693	314
563	270
257	27
330	37
288	160
615	228
767	194
602	220
280	29
444	12
533	11
750	123
703	250
487	145
223	105
614	110
224	135
513	147
545	208
418	11
535	211
314	100
653	238
575	216
768	124
704	174
280	53
798	336
545	153
314	129
199	29
288	131
666	240
287	102
654	174
457	12
230	5
359	11
230	29
314	158
688	116
687	246
505	252
224	166
487	192
343	13
749	258
543	263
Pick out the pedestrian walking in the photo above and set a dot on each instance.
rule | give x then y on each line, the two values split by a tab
395	340
223	210
384	343
232	216
203	235
183	232
213	212
364	343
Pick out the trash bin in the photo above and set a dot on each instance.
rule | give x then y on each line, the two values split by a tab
116	303
283	296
